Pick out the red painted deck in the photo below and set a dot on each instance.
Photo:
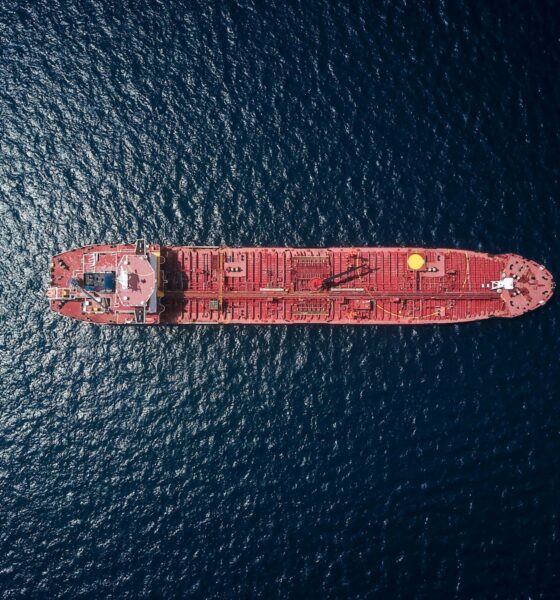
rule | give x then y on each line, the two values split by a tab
185	285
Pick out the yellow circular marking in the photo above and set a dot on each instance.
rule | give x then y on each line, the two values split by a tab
416	262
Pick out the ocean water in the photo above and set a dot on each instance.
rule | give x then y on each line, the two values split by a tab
285	462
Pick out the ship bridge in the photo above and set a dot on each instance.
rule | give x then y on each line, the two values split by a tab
136	282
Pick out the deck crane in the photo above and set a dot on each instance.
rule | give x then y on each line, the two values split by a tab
75	283
354	272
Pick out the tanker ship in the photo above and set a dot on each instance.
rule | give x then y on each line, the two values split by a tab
149	284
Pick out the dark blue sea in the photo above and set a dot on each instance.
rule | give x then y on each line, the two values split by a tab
282	462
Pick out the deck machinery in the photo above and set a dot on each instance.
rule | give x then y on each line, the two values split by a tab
148	284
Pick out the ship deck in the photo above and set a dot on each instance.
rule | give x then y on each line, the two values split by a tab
276	285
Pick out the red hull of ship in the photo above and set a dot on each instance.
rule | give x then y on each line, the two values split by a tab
151	284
